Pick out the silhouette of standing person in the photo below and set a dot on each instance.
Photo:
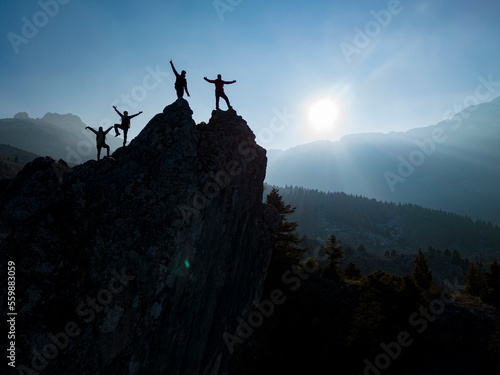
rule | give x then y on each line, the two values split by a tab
100	137
180	82
219	90
125	125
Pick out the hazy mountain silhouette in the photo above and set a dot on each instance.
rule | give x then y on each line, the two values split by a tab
55	135
453	165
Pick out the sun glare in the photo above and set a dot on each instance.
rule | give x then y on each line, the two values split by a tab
322	114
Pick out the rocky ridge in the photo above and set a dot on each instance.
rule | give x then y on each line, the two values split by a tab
137	264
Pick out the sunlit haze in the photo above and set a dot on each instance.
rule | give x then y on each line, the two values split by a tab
385	65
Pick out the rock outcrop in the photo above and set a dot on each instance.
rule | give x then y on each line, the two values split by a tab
137	264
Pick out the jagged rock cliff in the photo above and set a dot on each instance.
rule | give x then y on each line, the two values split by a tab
138	263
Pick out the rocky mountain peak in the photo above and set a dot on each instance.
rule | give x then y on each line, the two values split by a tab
138	263
22	115
63	120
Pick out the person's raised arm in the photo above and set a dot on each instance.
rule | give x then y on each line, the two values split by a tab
117	111
107	131
175	71
208	80
228	82
137	114
92	130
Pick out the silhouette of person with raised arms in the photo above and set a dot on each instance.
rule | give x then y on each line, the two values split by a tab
219	90
100	137
180	82
125	125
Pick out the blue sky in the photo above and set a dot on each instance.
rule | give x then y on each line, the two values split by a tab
387	65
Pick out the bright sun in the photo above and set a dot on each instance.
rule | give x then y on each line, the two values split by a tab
323	113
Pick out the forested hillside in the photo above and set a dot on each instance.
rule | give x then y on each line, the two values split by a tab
12	160
381	226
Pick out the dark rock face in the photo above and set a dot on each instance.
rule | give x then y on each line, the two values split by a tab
136	263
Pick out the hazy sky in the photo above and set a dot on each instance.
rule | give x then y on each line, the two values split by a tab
388	65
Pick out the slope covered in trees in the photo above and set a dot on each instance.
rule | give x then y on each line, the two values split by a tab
381	226
12	160
327	321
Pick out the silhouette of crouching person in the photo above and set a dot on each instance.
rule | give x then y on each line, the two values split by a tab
100	137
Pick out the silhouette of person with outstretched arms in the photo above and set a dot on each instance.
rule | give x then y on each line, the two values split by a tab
180	82
125	125
100	137
219	90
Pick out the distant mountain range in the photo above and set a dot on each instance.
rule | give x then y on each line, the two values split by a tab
452	166
59	136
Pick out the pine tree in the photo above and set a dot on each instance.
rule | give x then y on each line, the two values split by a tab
455	258
474	283
491	292
387	254
285	250
348	251
352	271
421	272
335	254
